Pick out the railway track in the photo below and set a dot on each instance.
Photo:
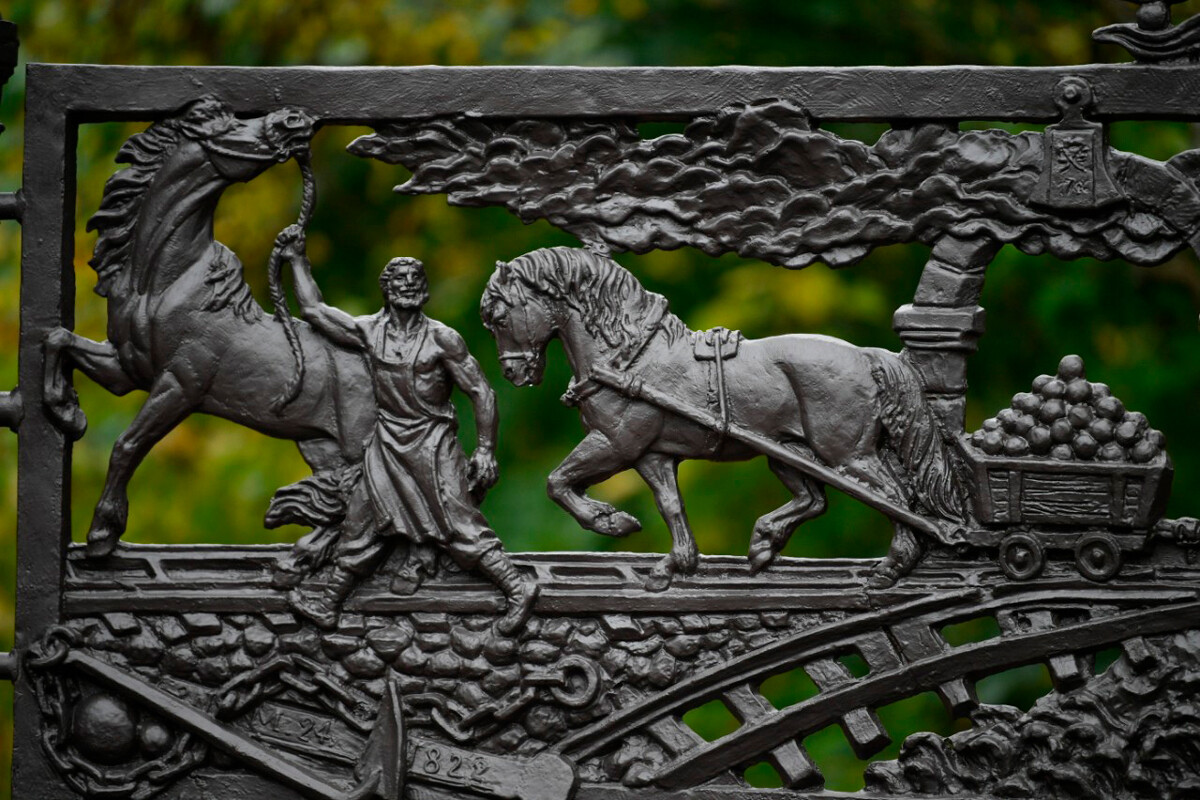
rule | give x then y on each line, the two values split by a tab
1058	619
906	655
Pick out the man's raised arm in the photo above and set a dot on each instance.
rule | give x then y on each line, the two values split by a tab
330	320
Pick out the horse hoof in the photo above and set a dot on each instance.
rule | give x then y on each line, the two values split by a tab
760	558
883	577
617	524
70	419
659	579
101	543
687	563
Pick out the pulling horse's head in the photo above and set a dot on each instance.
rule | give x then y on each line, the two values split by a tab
522	326
240	149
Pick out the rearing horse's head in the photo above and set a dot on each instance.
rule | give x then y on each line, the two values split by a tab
521	324
240	149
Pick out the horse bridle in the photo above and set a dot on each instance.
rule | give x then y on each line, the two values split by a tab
526	356
280	154
212	147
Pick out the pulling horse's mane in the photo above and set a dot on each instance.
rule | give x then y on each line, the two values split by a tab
124	192
609	299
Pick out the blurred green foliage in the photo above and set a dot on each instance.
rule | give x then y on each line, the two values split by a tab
210	481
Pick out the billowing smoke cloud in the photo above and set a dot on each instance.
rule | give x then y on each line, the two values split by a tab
759	181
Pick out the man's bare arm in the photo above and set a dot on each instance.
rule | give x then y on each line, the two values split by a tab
330	320
469	377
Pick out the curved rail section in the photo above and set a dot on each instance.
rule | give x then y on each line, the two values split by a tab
906	655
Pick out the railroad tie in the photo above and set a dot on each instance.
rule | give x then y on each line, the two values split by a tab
678	739
675	737
918	641
1068	671
866	733
789	759
1138	654
878	651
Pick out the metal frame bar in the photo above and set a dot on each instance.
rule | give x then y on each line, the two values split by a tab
364	95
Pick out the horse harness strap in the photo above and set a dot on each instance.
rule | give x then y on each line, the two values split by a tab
580	390
717	345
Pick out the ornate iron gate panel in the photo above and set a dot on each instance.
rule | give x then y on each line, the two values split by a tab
399	649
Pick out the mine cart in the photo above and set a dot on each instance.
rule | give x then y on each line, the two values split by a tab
1067	467
1030	505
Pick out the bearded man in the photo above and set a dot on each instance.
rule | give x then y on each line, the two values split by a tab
416	480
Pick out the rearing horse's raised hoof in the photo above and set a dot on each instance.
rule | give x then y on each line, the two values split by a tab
69	418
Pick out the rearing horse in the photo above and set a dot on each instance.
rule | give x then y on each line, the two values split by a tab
182	323
858	410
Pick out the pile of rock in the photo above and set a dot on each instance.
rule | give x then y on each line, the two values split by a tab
1069	418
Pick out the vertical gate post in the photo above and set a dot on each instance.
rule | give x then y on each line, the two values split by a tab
44	456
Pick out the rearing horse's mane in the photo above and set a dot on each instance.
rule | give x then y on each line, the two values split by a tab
610	301
124	192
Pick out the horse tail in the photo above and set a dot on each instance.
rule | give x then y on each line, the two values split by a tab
275	280
915	436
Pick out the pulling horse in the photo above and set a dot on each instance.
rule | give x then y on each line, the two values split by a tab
182	322
858	411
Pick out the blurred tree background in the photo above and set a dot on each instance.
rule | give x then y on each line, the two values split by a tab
210	481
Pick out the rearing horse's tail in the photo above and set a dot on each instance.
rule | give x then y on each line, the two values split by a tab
915	436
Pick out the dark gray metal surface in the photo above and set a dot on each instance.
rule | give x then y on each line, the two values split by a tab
299	672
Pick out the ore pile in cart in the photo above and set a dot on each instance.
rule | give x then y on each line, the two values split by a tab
1067	467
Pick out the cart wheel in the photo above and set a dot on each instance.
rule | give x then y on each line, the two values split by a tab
1021	556
1098	556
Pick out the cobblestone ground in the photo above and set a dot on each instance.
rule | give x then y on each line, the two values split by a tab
527	692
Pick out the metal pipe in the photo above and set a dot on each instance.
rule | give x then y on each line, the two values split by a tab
12	409
12	205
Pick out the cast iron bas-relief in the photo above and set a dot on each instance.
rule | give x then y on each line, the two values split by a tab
761	180
822	410
182	324
399	650
414	482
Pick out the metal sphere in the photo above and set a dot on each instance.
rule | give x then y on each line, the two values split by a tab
104	729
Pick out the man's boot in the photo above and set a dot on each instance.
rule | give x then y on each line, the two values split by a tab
320	599
419	563
518	590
